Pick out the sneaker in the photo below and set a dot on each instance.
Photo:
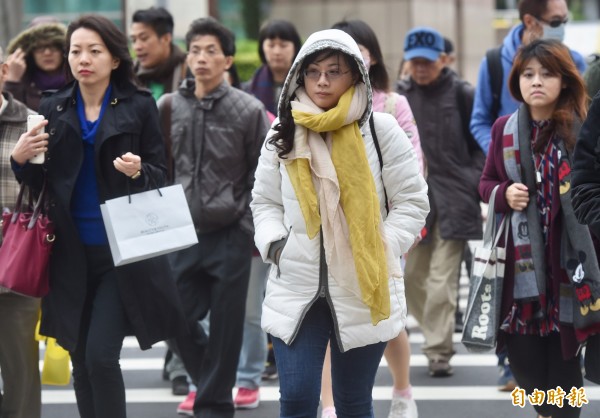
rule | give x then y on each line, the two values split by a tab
458	322
187	406
270	372
440	368
328	412
246	398
403	408
506	382
180	386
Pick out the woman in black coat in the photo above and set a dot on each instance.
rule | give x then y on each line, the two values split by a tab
103	141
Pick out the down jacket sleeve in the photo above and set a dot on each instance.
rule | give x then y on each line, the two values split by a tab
267	200
405	187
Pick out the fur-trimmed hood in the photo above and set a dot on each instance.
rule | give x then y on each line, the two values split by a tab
41	34
318	41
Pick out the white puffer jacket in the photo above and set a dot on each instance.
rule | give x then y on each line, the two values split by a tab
294	285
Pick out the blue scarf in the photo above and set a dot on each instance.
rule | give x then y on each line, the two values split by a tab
263	88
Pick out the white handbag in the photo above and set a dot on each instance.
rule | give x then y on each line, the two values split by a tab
148	224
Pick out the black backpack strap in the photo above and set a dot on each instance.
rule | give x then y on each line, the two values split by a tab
464	100
165	122
376	143
494	67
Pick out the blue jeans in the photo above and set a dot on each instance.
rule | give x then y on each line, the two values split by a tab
300	364
254	345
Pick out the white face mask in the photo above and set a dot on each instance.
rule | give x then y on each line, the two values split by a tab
557	33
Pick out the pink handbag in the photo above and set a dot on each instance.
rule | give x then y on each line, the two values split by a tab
26	247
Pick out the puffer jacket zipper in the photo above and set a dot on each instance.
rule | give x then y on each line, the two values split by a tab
323	292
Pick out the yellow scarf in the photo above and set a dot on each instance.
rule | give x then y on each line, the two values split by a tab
357	197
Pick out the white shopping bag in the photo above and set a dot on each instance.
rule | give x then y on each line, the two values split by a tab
148	224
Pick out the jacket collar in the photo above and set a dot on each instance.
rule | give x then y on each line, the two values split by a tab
446	77
188	87
118	92
13	112
162	71
112	122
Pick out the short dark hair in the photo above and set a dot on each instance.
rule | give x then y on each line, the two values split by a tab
211	26
113	38
281	29
362	33
156	17
535	8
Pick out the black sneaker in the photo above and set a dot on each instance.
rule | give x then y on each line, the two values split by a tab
270	372
458	323
180	386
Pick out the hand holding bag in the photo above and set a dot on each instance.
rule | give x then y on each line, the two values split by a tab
485	287
148	224
25	250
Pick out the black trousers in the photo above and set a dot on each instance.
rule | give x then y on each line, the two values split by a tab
212	276
537	363
97	376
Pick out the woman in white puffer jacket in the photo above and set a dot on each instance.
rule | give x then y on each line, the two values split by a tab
321	218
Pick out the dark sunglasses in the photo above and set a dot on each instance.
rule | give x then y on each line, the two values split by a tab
554	23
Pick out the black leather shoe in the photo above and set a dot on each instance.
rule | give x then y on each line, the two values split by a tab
180	386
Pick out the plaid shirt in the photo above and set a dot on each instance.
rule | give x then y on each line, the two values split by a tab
13	123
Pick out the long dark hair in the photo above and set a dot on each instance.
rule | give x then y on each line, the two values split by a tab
364	35
115	41
572	101
283	139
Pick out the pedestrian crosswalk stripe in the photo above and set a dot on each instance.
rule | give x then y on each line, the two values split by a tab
414	338
416	360
271	394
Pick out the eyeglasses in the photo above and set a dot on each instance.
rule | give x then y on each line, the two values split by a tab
315	75
43	48
209	52
554	23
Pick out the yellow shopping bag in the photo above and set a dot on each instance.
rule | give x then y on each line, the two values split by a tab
57	368
38	336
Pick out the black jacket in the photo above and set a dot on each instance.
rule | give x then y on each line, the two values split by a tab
585	179
454	165
130	123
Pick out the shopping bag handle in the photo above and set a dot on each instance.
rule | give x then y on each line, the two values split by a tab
135	150
37	207
152	180
491	234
